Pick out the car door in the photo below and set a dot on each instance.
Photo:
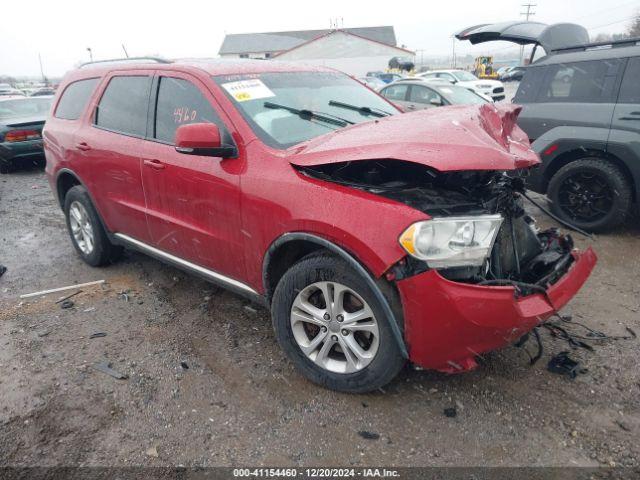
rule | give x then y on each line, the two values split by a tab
109	145
421	97
624	139
576	94
398	95
192	201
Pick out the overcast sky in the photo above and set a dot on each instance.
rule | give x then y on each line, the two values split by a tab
62	30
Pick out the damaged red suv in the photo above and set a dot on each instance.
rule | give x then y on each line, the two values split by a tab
375	237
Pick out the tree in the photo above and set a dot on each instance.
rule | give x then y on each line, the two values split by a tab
634	29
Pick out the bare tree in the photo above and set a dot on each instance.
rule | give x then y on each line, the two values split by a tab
634	29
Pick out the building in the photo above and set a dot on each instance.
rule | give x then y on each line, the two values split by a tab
355	51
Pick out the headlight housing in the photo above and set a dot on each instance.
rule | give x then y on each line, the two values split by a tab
452	241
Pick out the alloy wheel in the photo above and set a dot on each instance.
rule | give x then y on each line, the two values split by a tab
334	327
81	227
586	196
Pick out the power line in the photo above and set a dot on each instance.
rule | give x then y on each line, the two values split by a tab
612	23
526	15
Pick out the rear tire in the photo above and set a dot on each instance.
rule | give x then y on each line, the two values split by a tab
371	359
591	193
6	166
86	231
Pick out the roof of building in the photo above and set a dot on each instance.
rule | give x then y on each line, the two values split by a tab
237	43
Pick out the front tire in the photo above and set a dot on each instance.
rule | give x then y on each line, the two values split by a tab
332	327
86	231
590	193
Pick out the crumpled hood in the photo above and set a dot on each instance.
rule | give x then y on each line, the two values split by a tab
483	137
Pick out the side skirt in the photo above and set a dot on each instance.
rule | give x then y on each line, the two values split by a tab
214	277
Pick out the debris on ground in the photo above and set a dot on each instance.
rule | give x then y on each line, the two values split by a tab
562	364
67	304
68	296
97	335
61	289
369	435
152	452
124	295
2	270
184	365
450	412
105	367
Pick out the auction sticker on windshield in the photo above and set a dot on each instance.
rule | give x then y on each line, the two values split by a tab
245	90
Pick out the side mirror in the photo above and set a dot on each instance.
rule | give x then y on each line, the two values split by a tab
202	139
435	102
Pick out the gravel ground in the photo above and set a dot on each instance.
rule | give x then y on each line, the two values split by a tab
207	384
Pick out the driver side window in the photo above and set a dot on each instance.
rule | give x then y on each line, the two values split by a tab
180	102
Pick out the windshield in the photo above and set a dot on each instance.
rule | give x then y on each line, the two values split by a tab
25	107
465	76
460	95
323	93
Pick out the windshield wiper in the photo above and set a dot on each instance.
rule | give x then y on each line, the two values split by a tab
376	112
311	115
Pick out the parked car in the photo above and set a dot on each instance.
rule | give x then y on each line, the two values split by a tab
502	70
462	78
385	77
373	83
11	92
21	121
515	74
43	92
416	94
581	110
374	238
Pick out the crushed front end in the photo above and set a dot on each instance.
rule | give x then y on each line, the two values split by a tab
460	298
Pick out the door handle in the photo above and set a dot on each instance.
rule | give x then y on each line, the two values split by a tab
156	164
84	146
411	107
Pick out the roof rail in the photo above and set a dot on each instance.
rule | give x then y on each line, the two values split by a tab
625	42
124	60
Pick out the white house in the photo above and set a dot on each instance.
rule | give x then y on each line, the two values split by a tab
355	51
347	52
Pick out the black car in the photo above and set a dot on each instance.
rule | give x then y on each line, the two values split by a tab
21	122
513	75
581	110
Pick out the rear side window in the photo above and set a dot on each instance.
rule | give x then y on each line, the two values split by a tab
395	92
530	84
581	82
630	89
123	106
74	99
180	102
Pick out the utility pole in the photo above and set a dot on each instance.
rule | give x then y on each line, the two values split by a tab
126	54
526	15
44	79
453	53
90	54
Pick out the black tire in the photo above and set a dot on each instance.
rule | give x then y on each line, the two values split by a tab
615	181
6	166
103	252
388	360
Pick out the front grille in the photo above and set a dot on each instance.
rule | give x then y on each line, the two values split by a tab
498	90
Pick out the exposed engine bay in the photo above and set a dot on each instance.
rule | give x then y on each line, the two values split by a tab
522	255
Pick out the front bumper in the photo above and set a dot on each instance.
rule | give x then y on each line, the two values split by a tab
447	323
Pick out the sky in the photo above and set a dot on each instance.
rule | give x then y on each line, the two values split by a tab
61	31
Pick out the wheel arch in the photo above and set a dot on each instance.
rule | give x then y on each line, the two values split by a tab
65	180
575	154
291	247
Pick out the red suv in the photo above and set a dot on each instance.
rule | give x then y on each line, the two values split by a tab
375	237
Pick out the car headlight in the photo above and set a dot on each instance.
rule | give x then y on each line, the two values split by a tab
452	241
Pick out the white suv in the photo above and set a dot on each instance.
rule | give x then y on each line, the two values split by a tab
491	88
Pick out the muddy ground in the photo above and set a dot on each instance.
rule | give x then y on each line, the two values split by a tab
240	402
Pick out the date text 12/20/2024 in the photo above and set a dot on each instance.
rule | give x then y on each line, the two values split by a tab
316	472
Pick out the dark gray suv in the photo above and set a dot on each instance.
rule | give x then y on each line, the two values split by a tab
581	111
